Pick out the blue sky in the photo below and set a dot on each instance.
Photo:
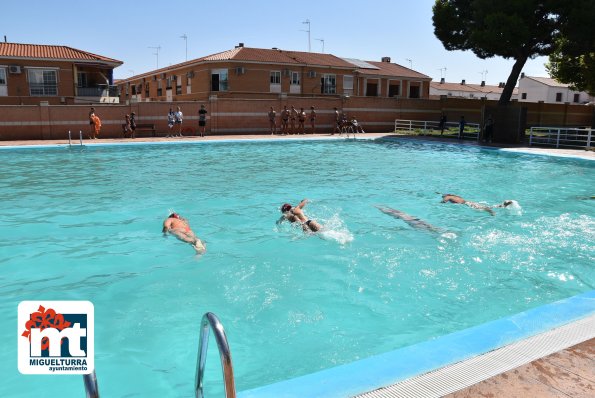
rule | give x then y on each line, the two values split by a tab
369	30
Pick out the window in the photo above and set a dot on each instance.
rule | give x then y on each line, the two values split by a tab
577	98
147	89
348	85
43	82
295	79
558	97
3	90
168	83
524	96
414	92
82	79
394	90
133	89
371	89
219	80
178	90
275	77
159	88
328	84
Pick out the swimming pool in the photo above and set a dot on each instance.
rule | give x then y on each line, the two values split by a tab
84	224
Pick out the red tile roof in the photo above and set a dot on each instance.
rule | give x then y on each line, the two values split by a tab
389	69
41	51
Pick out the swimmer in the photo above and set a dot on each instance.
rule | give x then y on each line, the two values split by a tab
450	198
409	219
296	214
179	227
506	203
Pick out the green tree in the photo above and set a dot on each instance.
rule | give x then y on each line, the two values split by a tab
573	59
512	29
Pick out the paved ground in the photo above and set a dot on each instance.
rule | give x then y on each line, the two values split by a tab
580	153
569	373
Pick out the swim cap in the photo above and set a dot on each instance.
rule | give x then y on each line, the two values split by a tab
174	215
285	207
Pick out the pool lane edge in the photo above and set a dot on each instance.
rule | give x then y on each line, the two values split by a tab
384	370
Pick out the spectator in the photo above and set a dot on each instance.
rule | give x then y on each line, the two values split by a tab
312	120
284	120
133	125
272	120
202	120
462	127
301	120
171	118
179	116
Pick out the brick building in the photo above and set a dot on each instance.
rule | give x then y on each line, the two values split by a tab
469	90
272	73
32	74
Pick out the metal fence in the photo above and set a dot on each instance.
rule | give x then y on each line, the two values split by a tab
471	130
561	137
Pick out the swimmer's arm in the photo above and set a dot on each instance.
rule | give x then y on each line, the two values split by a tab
280	220
302	204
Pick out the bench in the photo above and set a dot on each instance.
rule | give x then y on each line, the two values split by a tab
143	127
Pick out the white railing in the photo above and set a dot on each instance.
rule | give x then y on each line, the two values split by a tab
450	128
561	137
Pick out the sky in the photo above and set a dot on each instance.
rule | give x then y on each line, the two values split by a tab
369	30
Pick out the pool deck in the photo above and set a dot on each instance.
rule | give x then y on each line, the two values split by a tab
574	153
566	373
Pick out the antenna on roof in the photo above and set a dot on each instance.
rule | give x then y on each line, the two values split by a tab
483	74
307	21
410	62
442	73
321	40
156	53
186	40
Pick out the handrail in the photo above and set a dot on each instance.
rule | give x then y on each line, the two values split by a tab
91	388
210	321
571	137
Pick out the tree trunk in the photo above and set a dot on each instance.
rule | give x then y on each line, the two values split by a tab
512	79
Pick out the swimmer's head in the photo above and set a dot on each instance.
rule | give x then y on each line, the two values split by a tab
174	215
507	203
285	208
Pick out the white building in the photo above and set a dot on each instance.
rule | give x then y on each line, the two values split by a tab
472	91
535	89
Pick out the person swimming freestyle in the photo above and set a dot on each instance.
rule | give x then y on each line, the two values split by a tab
296	214
179	227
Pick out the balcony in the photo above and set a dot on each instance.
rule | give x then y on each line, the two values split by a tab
99	93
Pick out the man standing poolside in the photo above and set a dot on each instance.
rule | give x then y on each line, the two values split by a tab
312	120
272	122
296	214
179	227
179	116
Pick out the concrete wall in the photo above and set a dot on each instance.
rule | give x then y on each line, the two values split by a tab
245	116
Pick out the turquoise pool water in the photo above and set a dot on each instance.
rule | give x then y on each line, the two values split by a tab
85	225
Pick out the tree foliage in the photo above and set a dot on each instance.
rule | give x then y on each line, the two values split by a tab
573	59
512	29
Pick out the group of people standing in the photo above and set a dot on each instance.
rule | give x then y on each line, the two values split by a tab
289	117
176	118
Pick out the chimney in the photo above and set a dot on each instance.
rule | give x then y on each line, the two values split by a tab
463	82
5	39
522	73
240	45
483	83
386	59
441	80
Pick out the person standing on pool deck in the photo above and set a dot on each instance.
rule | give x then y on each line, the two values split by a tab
462	124
284	119
179	227
296	214
179	116
171	118
293	114
338	120
202	120
312	120
272	122
96	122
133	124
301	120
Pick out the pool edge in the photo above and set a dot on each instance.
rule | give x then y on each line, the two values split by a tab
404	363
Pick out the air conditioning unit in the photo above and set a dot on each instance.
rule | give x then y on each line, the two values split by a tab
286	73
14	69
240	70
190	74
311	73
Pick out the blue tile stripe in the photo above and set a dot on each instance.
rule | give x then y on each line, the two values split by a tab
394	366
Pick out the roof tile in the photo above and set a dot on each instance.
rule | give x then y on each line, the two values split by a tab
41	51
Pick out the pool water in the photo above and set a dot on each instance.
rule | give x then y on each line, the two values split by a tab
85	224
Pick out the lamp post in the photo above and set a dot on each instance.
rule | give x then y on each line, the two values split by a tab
186	40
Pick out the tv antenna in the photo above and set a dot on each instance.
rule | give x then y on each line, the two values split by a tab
156	48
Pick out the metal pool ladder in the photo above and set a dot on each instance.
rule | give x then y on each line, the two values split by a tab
209	321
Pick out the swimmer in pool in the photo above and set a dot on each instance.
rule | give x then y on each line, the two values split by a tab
296	214
179	227
409	219
450	198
